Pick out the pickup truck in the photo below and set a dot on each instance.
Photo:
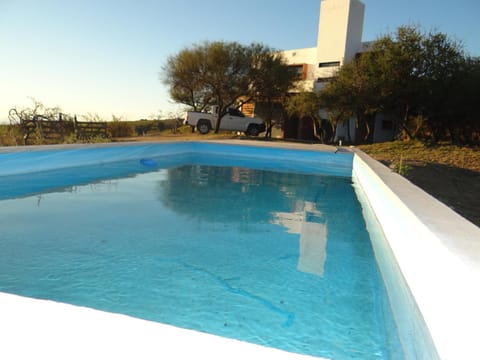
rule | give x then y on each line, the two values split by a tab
233	120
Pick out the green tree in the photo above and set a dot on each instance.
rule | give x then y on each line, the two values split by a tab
272	79
420	69
460	106
410	74
354	92
306	104
226	74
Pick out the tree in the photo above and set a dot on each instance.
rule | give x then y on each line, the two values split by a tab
20	115
26	118
226	74
272	79
419	69
465	102
410	74
354	92
306	104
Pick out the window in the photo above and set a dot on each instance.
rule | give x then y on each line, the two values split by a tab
235	112
300	71
329	64
324	79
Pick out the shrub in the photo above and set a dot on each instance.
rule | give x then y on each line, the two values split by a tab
10	136
118	128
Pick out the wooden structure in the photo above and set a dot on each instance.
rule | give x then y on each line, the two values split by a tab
86	130
54	131
47	129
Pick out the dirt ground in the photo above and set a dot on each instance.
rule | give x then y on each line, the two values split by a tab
457	188
449	173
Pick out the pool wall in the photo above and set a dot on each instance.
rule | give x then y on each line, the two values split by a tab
431	257
438	255
14	161
414	336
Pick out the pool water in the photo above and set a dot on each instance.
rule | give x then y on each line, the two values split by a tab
274	258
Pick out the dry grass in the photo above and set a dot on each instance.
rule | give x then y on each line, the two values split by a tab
418	154
448	172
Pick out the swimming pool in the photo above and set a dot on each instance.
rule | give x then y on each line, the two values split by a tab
253	254
216	165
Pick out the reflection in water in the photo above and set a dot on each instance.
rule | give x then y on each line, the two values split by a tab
307	221
99	186
238	195
221	194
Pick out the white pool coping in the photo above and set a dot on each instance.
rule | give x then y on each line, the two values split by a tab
40	329
437	251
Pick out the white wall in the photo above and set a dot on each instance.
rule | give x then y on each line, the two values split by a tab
301	56
382	133
346	131
339	38
306	56
332	30
339	33
355	30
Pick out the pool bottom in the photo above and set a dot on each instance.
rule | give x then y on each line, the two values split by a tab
309	206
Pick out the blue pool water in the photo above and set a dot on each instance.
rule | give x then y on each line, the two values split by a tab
281	259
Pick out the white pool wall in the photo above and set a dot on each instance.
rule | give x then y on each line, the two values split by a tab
408	326
438	254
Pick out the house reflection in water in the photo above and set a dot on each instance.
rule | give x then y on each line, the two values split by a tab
307	221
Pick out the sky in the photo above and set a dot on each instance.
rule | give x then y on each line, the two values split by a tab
105	57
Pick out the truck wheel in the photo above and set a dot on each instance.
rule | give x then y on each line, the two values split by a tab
253	130
203	127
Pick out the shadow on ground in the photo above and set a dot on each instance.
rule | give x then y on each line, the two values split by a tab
457	188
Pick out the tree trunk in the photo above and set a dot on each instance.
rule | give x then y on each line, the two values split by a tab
349	136
315	130
404	123
221	114
268	132
217	126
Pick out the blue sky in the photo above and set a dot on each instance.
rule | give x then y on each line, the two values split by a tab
105	56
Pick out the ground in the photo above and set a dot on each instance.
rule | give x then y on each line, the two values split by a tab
449	173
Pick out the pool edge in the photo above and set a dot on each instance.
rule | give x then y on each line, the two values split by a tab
437	251
53	330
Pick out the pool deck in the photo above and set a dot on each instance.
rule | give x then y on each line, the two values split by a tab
436	249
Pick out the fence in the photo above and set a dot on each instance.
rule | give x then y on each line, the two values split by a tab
47	129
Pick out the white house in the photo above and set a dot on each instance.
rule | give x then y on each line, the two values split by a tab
339	41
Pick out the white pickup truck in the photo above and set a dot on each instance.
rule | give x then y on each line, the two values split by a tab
233	120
